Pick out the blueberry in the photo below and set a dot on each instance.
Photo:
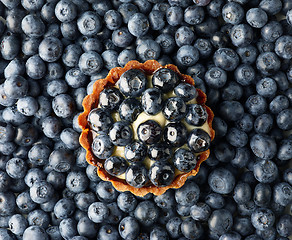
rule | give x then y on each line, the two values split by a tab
256	105
148	49
263	146
127	10
272	31
68	228
185	91
174	134
126	201
149	132
17	224
146	213
215	200
271	7
99	120
132	83
262	218
188	194
187	55
191	229
220	221
86	228
15	87
200	211
283	119
174	109
113	19
283	226
92	44
121	133
135	152
226	58
268	63
233	13
136	175
198	140
282	193
262	194
174	15
65	11
161	174
16	168
41	191
35	232
165	79
50	49
159	152
256	17
115	165
61	160
129	228
138	24
196	115
285	150
184	160
39	218
106	192
108	232
33	26
242	193
125	56
110	98
90	63
98	212
25	203
152	101
221	181
122	37
230	235
265	171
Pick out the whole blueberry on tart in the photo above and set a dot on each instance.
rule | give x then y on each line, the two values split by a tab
146	127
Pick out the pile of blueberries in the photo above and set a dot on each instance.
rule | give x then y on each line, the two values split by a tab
238	51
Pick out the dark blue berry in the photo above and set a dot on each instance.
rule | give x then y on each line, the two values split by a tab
198	140
152	101
136	175
161	174
100	121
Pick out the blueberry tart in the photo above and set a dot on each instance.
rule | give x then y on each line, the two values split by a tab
146	127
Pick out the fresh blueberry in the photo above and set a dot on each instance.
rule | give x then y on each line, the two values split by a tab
17	224
200	211
129	228
263	146
265	171
126	202
282	193
187	55
262	218
108	232
68	228
90	63
283	119
226	58
106	192
147	50
35	232
146	213
233	13
98	212
138	24
86	228
191	229
112	19
125	56
221	181
122	37
220	221
65	11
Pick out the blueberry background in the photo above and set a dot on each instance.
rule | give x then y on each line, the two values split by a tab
238	51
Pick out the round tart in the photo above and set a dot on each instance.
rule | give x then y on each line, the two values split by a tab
146	127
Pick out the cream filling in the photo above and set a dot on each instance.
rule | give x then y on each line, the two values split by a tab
159	118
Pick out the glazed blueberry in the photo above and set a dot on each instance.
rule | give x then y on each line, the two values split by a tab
174	109
191	228
136	175
100	120
135	152
115	165
132	83
146	213
159	152
110	98
149	132
196	115
129	109
121	133
174	134
184	160
165	79
129	228
102	147
198	140
262	219
186	91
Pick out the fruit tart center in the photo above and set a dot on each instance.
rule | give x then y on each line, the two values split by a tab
149	128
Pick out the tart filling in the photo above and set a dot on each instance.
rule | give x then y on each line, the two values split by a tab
146	128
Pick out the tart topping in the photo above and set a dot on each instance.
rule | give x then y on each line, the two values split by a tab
149	129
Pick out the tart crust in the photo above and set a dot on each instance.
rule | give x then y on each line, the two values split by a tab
91	101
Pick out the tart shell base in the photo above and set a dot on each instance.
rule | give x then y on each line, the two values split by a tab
91	101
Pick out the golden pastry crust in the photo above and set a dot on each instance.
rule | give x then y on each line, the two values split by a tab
91	101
